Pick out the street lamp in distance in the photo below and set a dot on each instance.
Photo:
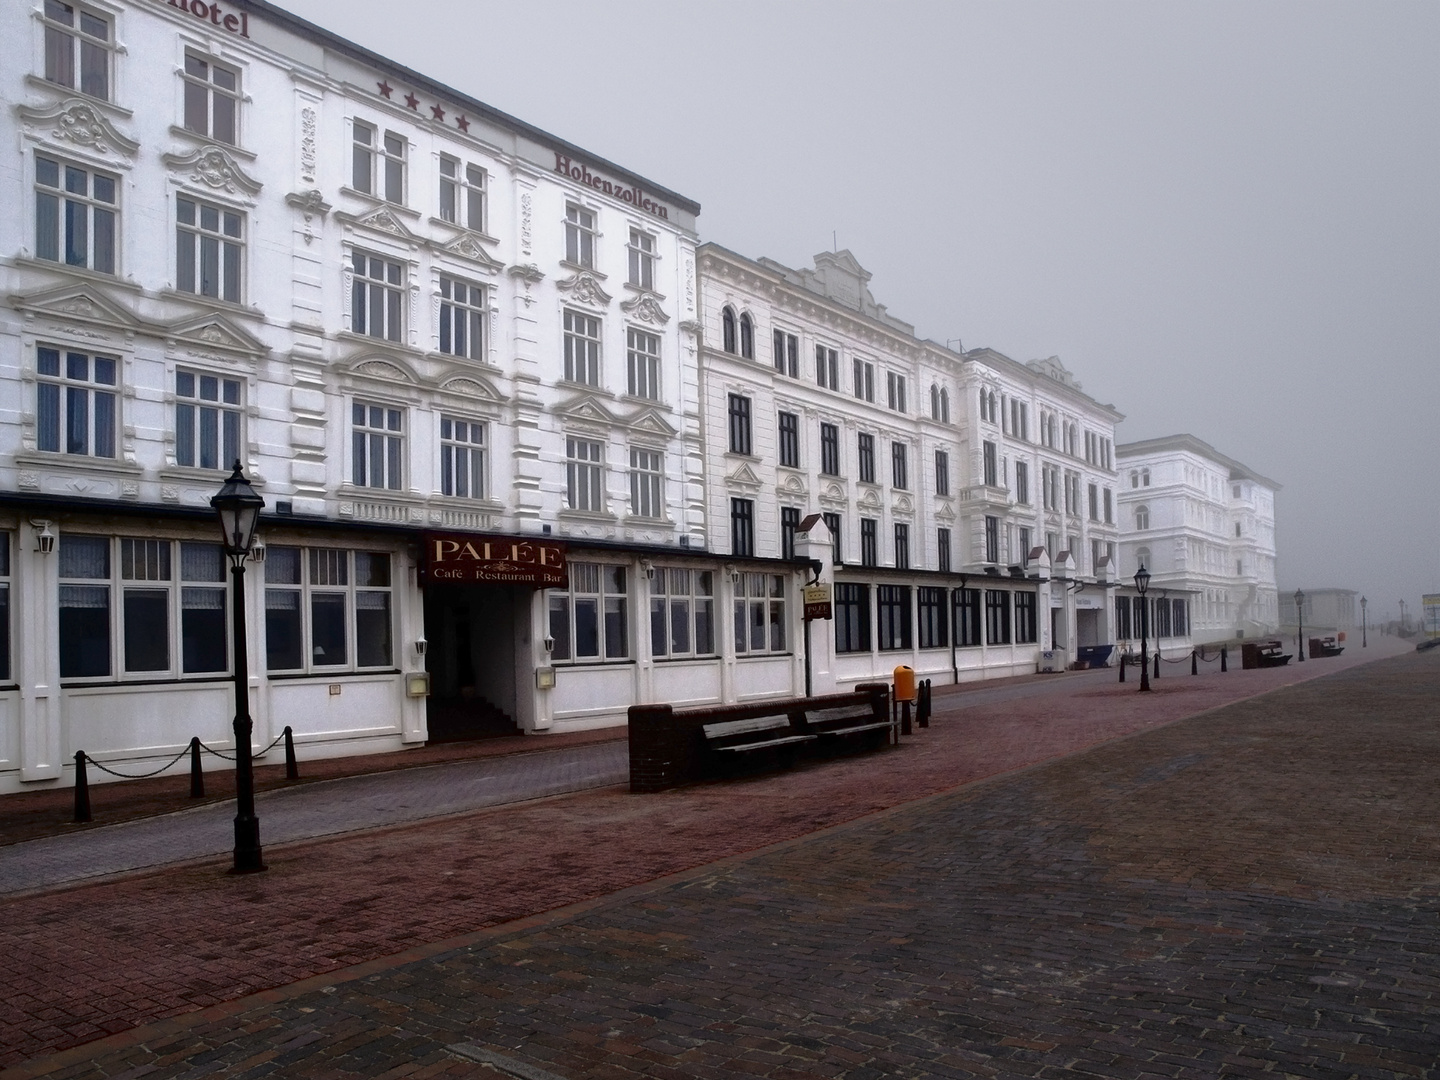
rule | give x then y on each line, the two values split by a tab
1364	627
1300	624
238	508
1142	583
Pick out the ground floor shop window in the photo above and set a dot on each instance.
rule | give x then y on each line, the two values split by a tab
967	617
310	595
760	613
1122	618
682	613
162	586
1162	618
1180	626
589	621
893	608
852	618
930	604
997	617
1025	621
1141	616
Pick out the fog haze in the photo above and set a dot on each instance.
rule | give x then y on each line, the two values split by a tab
1222	217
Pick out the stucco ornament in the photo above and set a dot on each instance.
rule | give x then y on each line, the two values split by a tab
215	168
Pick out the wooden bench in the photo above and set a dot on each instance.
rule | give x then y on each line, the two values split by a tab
846	721
772	731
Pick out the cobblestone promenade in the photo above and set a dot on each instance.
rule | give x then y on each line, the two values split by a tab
1253	890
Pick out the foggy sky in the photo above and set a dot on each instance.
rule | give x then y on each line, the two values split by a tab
1224	218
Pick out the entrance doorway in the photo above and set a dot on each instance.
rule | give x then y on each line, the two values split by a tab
1087	627
471	631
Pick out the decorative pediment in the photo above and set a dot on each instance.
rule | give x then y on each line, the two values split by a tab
75	120
791	485
214	331
377	368
381	220
646	308
584	288
651	422
870	500
215	168
468	246
587	409
945	512
77	302
833	495
903	505
744	477
470	386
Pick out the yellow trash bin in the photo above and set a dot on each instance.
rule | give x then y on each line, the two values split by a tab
904	683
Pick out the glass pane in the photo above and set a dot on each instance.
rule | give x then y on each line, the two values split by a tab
757	625
327	629
147	630
657	626
282	626
372	569
224	117
4	631
777	627
84	629
84	557
587	627
372	629
282	566
47	416
47	227
617	642
197	101
680	625
104	425
202	562
560	626
704	627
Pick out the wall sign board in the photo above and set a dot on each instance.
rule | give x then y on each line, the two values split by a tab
471	559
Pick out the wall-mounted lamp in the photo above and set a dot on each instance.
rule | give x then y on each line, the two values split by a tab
649	568
420	646
549	643
44	539
733	574
257	550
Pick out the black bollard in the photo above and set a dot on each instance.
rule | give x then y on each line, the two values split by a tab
1194	663
1157	664
292	770
1122	667
82	788
922	707
1223	655
197	774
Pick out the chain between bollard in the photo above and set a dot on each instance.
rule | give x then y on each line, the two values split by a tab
128	776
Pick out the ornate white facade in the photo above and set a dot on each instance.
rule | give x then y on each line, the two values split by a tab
1204	525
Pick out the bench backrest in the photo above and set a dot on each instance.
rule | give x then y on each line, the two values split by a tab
751	726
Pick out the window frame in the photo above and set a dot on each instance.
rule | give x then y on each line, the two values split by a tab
611	599
464	318
213	93
585	474
90	389
764	613
191	239
385	291
643	366
367	434
787	426
786	352
581	233
583	336
742	527
869	542
997	617
85	230
829	449
228	444
475	454
738	411
466	187
827	367
641	259
892	610
686	594
899	466
79	40
647	483
852	618
865	456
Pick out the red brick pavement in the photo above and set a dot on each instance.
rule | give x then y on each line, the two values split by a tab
90	961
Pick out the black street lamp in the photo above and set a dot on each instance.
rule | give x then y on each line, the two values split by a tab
1364	629
1300	624
1142	582
239	510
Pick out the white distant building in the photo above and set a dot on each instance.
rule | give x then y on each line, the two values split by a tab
967	500
1204	525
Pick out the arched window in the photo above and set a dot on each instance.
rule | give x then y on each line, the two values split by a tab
934	402
727	320
747	337
1134	478
1142	517
1142	558
944	405
1144	477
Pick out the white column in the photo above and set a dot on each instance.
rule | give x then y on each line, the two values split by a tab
37	657
818	544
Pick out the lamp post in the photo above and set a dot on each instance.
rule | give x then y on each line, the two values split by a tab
238	508
1300	624
1142	582
1364	628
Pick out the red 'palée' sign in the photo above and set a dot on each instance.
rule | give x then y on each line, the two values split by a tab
468	559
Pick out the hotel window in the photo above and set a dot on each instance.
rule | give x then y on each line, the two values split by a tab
997	617
902	547
1025	619
899	466
642	259
789	523
865	446
207	420
864	380
75	215
462	458
789	425
682	613
934	402
760	613
742	527
462	318
829	450
462	194
869	556
942	473
582	348
309	594
1094	494
590	620
1072	493
892	606
1019	420
992	539
991	470
832	523
84	612
1109	507
895	391
727	329
965	608
827	367
77	48
1024	552
987	405
377	162
75	403
1097	552
642	352
208	247
212	98
787	354
934	626
1142	517
378	442
942	550
4	607
579	236
747	336
647	483
739	413
376	298
852	618
1022	483
584	461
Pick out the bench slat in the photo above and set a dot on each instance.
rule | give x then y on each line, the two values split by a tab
767	742
854	730
746	727
860	711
